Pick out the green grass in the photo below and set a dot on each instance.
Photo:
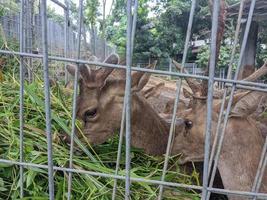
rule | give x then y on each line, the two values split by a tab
101	158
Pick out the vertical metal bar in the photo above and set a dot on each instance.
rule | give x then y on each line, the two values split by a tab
66	37
229	75
74	105
47	101
124	105
213	46
179	83
260	170
30	23
134	25
170	65
119	149
222	134
21	97
128	101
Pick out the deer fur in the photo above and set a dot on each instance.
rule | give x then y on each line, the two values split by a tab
100	104
240	153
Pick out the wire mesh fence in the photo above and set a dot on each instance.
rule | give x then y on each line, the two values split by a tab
60	35
214	132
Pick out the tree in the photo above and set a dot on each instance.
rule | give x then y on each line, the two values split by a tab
161	35
51	13
8	6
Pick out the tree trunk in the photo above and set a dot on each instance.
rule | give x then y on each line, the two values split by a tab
248	61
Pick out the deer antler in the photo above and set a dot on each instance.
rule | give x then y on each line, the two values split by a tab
193	84
262	71
142	77
258	74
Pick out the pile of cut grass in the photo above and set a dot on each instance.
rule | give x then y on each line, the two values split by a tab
101	158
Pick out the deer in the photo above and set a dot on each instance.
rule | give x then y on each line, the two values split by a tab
100	104
99	108
239	157
241	148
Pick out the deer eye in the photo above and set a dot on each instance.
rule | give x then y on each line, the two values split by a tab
89	114
188	124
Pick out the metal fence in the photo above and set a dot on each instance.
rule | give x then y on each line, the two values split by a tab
233	84
61	37
56	34
165	64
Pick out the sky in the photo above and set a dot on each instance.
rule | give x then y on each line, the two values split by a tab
60	11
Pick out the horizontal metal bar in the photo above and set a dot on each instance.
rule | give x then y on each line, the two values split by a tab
62	5
248	88
237	193
105	175
168	73
165	183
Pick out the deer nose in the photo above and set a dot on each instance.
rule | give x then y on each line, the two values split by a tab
188	123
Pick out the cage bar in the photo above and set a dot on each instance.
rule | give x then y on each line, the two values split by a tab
261	169
75	93
222	134
230	84
47	100
212	65
66	37
177	95
124	105
229	74
21	97
171	184
128	102
238	83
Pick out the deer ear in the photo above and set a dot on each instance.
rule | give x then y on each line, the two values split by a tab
84	71
112	59
103	72
71	69
140	79
93	58
237	97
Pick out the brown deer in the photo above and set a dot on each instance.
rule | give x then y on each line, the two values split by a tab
245	133
241	148
242	145
100	103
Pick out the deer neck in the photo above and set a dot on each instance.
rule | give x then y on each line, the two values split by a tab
240	155
149	131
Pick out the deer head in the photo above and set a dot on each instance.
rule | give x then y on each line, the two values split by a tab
244	104
192	145
96	102
100	100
